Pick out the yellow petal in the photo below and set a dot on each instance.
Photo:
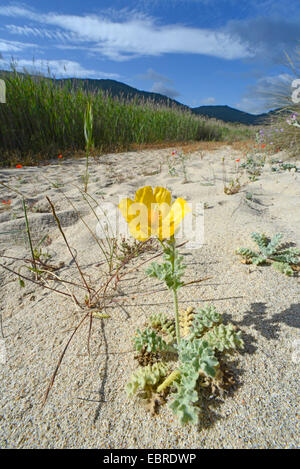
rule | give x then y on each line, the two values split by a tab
145	196
162	195
152	214
138	230
170	224
124	207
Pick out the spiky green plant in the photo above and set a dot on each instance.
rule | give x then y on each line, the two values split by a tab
205	319
223	338
205	335
195	356
160	322
270	250
149	340
144	379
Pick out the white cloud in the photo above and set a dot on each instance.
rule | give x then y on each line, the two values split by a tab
14	46
39	32
137	35
250	105
160	87
209	100
152	75
58	68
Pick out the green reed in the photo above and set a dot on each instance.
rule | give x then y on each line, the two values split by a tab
42	118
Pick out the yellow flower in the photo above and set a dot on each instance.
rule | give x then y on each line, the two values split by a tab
152	214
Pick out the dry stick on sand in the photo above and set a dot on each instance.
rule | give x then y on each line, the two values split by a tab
35	281
48	268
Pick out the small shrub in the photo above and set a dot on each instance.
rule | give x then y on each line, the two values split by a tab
284	259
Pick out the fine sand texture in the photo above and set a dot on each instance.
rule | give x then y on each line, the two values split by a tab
87	406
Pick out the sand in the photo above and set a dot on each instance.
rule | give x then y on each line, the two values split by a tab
88	406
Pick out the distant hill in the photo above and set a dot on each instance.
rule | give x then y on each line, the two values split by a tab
119	89
229	114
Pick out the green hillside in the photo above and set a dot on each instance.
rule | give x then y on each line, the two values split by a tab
229	114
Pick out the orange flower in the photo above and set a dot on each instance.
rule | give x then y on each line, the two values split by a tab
59	156
8	202
19	166
238	160
263	146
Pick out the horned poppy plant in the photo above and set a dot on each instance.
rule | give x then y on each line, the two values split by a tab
151	213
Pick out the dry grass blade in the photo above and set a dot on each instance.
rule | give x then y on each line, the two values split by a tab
61	358
67	244
34	281
81	218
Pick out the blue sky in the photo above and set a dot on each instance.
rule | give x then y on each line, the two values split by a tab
195	51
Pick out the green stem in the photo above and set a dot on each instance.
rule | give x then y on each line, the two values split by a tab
175	294
171	243
176	317
162	244
29	236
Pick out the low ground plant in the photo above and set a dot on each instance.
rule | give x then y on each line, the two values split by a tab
196	340
284	258
177	164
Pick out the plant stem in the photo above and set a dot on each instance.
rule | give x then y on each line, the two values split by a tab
29	237
175	292
176	316
172	244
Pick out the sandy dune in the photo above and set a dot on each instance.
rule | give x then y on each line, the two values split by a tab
87	406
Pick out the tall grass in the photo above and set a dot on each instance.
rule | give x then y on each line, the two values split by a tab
279	133
42	118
